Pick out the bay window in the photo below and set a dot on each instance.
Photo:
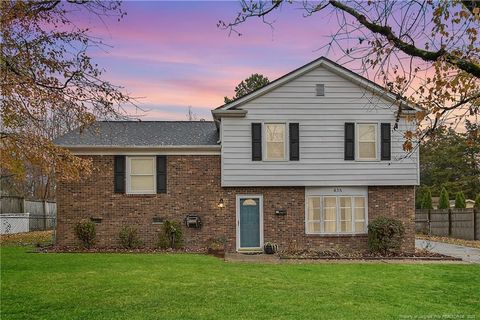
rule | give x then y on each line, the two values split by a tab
336	214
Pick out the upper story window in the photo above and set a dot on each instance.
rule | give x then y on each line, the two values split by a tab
275	141
367	141
141	175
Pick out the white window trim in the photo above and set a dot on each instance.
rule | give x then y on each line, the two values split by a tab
285	144
129	190
357	142
338	214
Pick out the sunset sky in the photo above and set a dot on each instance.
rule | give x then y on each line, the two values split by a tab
172	54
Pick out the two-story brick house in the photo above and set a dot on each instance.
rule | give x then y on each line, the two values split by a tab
305	162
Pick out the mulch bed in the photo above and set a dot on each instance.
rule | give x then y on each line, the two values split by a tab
297	255
66	249
334	255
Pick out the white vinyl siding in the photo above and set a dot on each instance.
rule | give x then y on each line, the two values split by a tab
321	135
275	141
141	175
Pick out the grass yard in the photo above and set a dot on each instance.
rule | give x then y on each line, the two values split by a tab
183	286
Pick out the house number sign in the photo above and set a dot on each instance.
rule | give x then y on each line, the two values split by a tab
337	189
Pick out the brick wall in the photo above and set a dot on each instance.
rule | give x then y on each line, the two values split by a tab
193	186
396	202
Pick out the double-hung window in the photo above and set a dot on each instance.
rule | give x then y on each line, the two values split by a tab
275	141
336	214
141	175
367	141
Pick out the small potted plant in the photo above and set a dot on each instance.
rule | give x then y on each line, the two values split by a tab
270	248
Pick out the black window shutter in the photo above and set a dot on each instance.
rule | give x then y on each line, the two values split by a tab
293	131
256	142
161	174
386	141
349	141
119	174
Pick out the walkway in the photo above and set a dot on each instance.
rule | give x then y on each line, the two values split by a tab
465	253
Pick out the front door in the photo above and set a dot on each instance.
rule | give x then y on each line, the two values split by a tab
249	223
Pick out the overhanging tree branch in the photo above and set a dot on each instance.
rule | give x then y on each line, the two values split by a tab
471	67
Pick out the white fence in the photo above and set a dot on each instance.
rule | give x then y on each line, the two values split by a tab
20	215
14	223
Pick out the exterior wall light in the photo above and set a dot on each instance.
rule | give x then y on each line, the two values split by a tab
221	204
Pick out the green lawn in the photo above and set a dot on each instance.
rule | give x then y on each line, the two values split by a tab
183	286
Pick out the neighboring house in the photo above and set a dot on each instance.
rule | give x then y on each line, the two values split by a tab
305	162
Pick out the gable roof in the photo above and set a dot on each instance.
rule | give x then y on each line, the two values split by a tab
329	65
143	134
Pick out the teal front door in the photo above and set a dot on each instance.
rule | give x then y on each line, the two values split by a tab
249	222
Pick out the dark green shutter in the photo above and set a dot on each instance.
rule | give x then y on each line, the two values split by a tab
161	174
349	141
119	174
385	140
293	132
256	142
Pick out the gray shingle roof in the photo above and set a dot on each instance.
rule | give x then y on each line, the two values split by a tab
143	133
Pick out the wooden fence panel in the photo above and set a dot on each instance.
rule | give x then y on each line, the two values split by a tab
477	224
11	204
462	224
439	223
456	223
42	214
422	221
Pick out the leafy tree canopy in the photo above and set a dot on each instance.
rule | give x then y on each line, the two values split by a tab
451	159
49	84
252	83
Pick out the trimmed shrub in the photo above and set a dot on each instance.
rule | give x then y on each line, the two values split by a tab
477	201
460	202
427	200
85	231
129	238
419	195
171	235
443	203
385	235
